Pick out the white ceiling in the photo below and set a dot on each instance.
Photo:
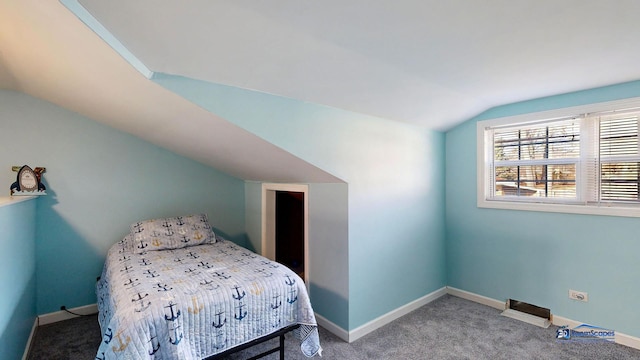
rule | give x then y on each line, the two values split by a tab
434	63
48	53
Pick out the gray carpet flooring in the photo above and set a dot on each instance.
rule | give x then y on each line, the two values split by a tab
448	328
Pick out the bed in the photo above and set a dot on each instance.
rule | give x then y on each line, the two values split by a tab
172	289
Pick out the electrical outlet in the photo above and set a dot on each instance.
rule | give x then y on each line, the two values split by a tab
578	295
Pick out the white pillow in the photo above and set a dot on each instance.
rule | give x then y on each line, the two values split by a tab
171	233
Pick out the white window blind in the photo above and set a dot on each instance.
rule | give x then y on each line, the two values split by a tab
536	161
619	157
583	159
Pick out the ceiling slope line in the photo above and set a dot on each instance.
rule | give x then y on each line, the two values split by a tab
279	157
81	13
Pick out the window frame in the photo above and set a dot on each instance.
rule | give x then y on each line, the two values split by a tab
508	203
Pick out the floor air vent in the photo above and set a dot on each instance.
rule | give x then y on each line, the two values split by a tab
528	313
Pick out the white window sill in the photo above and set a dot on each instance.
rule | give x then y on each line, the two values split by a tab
608	210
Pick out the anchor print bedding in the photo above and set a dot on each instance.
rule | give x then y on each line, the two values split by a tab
195	301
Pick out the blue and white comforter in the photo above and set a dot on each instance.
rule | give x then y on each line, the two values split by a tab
197	301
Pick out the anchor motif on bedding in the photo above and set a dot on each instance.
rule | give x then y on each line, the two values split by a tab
293	296
222	275
137	228
291	318
256	289
151	273
155	242
173	316
192	255
208	284
240	315
131	283
140	300
277	320
144	262
291	299
249	255
124	258
239	296
196	309
271	264
168	230
241	262
277	302
108	335
197	235
184	239
179	222
205	264
163	287
123	345
191	271
220	344
177	337
142	245
155	345
289	281
220	323
263	272
126	268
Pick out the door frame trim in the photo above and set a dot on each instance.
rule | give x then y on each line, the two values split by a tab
268	220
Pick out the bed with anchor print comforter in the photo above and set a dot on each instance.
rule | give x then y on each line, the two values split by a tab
196	301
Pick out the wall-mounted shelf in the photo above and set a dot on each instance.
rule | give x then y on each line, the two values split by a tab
10	200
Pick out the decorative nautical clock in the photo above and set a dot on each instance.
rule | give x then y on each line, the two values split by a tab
28	181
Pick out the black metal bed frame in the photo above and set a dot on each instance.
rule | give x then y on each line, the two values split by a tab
257	341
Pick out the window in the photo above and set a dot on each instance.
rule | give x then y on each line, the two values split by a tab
580	160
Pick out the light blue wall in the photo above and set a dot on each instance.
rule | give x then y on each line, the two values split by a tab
534	256
100	181
328	231
17	276
395	176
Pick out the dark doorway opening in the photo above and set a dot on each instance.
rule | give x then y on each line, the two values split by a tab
289	230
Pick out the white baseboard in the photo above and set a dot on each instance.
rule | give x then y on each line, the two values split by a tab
332	328
30	339
394	314
496	304
63	315
622	339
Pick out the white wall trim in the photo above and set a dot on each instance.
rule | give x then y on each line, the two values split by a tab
27	347
383	320
268	221
332	328
496	304
622	339
483	156
63	315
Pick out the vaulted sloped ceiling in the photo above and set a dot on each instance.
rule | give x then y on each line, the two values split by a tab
434	63
428	62
48	53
